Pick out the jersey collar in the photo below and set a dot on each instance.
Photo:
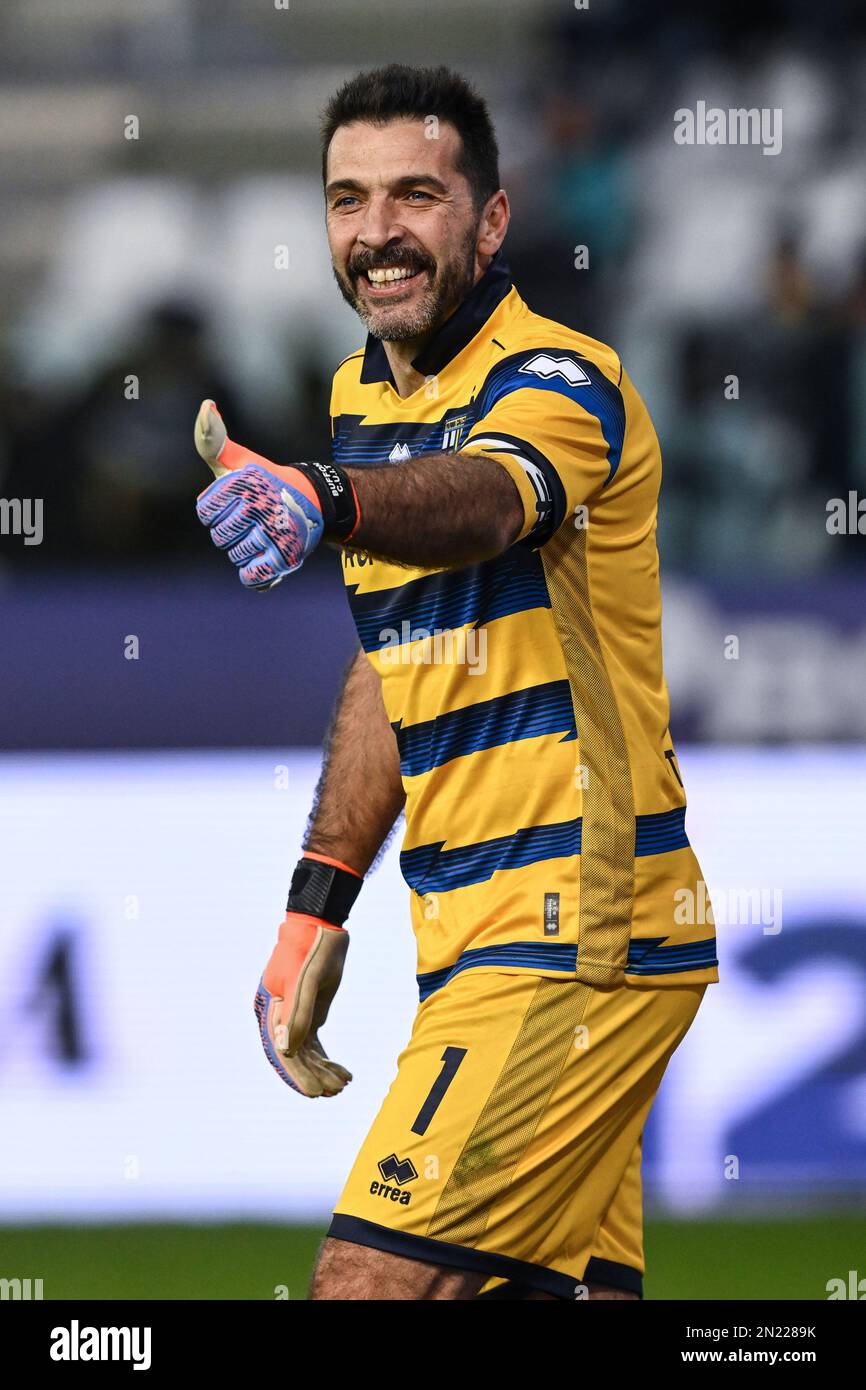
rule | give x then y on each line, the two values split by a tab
452	337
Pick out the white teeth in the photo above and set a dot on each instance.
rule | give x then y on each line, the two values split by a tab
381	277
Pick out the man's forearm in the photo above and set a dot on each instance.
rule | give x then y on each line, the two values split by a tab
359	795
438	510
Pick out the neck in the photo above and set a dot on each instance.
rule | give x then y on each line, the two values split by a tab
400	357
402	354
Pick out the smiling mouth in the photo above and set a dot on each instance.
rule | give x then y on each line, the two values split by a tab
382	283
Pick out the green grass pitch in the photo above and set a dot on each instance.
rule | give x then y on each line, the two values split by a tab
743	1259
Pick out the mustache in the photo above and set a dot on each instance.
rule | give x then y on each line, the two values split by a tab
387	261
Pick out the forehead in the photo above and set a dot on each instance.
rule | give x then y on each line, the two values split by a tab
373	154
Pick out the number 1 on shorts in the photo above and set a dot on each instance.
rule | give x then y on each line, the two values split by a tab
451	1059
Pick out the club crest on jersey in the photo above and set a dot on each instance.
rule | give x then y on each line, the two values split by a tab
542	364
452	430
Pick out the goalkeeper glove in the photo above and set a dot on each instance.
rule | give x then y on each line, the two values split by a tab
269	518
303	974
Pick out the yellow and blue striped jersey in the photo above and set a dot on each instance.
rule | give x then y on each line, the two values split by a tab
545	814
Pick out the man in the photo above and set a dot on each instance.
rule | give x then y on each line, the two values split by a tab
493	488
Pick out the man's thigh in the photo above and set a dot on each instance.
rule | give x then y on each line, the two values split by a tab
511	1122
348	1272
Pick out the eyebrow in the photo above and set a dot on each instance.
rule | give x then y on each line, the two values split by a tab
405	181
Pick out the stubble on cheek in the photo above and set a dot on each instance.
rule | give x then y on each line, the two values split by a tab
446	284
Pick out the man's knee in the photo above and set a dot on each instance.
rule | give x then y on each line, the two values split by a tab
346	1271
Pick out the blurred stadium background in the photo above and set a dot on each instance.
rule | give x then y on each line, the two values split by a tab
161	239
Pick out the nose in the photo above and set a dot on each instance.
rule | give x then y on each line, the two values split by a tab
379	226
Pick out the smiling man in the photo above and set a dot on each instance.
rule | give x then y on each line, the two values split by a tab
493	489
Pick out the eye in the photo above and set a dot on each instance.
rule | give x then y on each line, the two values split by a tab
417	193
346	198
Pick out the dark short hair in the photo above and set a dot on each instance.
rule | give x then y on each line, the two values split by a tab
384	94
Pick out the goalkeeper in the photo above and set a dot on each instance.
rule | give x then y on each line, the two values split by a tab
493	488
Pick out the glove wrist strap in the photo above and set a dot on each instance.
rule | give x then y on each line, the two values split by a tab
323	888
337	499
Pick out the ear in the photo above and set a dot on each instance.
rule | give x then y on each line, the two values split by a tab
494	224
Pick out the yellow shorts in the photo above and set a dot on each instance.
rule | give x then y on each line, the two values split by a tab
509	1142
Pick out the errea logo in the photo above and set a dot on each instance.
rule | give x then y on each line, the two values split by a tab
396	1172
401	1169
542	364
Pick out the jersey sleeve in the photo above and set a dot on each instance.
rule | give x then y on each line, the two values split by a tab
556	424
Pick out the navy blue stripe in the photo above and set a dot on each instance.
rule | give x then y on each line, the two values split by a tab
350	455
661	832
614	1275
531	955
530	713
355	442
651	957
384	435
510	583
600	398
432	869
647	957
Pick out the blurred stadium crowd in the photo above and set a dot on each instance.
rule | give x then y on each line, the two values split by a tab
145	249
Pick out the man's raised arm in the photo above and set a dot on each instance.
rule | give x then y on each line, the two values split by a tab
437	510
433	512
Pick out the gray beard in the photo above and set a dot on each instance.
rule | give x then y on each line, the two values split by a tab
440	301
